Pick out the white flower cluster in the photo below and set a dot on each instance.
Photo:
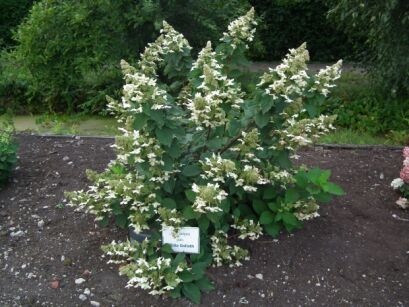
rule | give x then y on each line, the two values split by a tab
241	30
248	144
218	169
171	218
150	275
281	177
223	253
397	183
208	197
403	203
306	210
120	253
304	132
289	79
250	177
325	78
140	90
214	92
139	147
247	228
156	274
169	41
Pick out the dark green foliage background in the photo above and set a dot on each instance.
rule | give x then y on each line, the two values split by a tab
68	52
288	23
12	13
380	30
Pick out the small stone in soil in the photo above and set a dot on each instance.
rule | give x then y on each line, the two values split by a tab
82	297
259	276
86	274
55	284
17	234
95	304
40	224
79	281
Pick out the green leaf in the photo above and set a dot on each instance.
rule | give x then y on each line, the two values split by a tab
290	219
225	205
291	196
175	293
323	178
169	185
266	103
301	179
216	143
273	229
186	276
274	206
140	120
121	220
199	268
178	259
245	210
174	151
266	217
234	127
190	195
214	217
157	116
204	284
259	206
314	175
269	193
116	208
189	214
203	223
104	222
192	292
323	197
262	119
169	203
167	248
312	109
284	160
164	135
333	189
191	170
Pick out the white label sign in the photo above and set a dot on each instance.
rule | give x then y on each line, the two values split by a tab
187	240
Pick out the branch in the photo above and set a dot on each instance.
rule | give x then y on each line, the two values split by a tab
231	143
234	140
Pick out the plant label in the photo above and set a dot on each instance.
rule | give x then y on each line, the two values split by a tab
187	240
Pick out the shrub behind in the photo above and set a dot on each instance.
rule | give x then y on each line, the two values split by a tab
288	23
8	151
72	48
11	14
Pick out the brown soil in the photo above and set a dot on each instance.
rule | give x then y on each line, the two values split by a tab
356	253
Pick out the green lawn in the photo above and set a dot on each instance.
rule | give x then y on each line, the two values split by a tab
105	126
65	124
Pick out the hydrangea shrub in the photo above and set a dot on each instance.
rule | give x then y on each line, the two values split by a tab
200	148
401	184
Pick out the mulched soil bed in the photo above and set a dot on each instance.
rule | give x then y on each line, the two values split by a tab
356	253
